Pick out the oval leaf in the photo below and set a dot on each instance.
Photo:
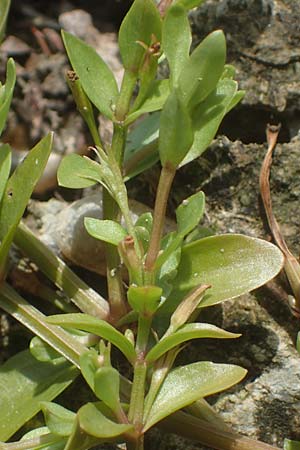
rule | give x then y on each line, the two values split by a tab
93	422
42	351
95	76
96	326
105	230
174	141
176	40
24	383
190	212
77	172
106	387
232	264
204	69
208	115
186	333
140	25
184	385
58	419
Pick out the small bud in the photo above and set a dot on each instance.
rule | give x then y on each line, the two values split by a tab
186	308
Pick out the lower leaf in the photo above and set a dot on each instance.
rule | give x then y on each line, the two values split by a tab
186	384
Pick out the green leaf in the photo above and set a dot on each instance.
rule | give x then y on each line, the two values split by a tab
235	100
141	146
189	4
105	230
88	366
58	419
184	385
156	98
95	76
18	191
208	115
48	441
93	422
144	299
228	72
8	89
175	140
189	213
42	351
291	445
176	40
24	383
203	69
4	10
78	172
186	333
232	264
5	164
34	320
96	326
140	24
107	386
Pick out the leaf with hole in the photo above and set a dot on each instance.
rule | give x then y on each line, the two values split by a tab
95	76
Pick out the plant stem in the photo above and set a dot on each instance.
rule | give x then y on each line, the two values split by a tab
110	208
136	408
144	325
116	295
163	190
85	298
127	88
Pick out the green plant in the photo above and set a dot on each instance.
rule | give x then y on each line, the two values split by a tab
169	280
